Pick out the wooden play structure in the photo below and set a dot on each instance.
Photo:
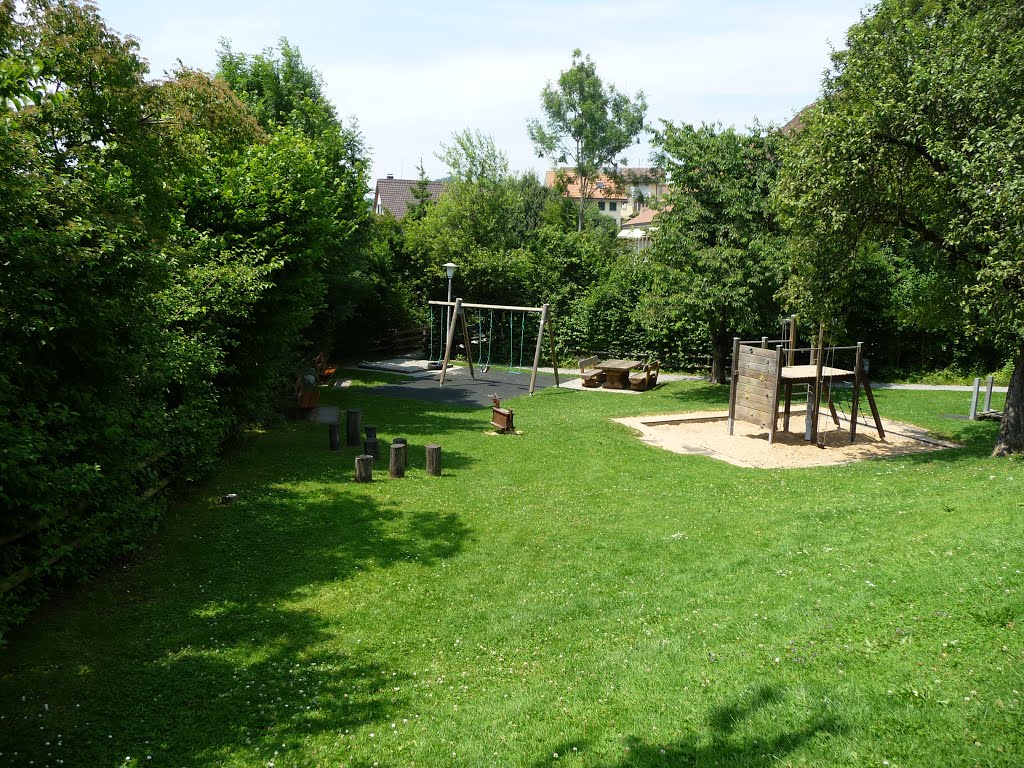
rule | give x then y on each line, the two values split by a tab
764	373
458	318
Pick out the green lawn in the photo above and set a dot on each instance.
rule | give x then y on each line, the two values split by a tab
569	596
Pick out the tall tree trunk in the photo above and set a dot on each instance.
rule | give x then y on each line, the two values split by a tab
1011	429
579	215
721	346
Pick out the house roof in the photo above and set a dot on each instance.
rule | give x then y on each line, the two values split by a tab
604	188
642	219
395	195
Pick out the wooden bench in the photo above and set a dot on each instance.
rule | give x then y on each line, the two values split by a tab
324	370
645	379
589	375
306	396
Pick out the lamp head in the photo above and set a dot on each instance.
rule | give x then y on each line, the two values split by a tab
450	269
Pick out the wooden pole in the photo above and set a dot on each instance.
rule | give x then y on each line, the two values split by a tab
364	469
540	345
434	460
858	378
396	465
973	415
405	456
551	340
334	436
733	379
371	447
988	394
353	417
465	339
817	382
448	343
775	394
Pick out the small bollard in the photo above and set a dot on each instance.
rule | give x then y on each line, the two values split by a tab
353	417
371	446
405	442
364	469
434	460
396	466
371	431
334	436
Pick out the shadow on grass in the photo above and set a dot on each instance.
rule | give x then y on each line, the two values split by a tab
226	645
733	741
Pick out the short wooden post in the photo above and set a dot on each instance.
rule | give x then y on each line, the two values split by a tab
334	436
364	468
988	394
371	447
973	416
371	431
405	456
434	460
396	467
353	417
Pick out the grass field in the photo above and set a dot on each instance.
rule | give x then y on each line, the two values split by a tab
569	596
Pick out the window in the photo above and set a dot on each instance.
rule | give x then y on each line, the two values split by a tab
600	205
612	206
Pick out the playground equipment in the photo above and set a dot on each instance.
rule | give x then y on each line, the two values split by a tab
764	373
458	319
986	413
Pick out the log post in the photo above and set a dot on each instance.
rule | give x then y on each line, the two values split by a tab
434	460
405	456
396	467
334	436
371	431
371	447
353	417
364	468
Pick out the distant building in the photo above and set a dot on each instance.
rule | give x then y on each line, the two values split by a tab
638	188
394	196
637	231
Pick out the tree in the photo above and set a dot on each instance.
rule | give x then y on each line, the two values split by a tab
586	124
286	95
421	194
717	247
918	143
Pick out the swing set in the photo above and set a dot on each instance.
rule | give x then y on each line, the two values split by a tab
458	318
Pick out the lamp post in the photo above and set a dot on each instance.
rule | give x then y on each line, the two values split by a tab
450	269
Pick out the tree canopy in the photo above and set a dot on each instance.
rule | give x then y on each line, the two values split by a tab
918	143
586	124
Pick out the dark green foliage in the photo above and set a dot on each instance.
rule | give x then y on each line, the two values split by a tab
918	145
717	251
164	257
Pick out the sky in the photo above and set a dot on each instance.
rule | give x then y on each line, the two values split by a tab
412	73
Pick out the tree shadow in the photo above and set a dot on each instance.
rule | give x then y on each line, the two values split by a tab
731	742
210	649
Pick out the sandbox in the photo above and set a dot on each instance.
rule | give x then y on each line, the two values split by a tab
706	434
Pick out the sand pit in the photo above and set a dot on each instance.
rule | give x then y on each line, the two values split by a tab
707	434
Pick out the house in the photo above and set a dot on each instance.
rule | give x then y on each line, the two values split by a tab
638	187
637	231
394	196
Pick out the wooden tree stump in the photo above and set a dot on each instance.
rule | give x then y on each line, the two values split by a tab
434	460
371	446
396	467
353	417
371	431
405	456
364	468
334	436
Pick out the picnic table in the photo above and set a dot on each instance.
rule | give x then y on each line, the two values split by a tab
617	372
